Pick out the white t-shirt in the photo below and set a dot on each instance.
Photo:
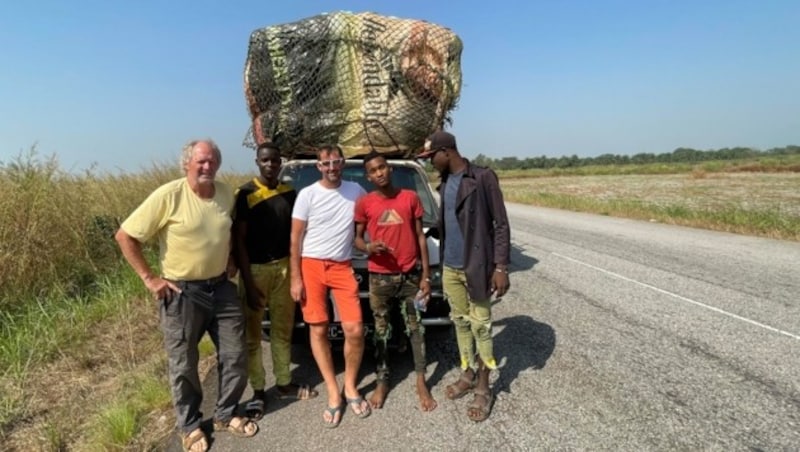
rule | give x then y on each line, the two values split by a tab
328	213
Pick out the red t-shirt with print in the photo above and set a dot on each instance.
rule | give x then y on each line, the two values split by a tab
392	221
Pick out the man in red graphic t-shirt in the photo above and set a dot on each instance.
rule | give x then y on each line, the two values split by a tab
398	269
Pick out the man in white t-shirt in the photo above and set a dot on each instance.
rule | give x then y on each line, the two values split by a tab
321	244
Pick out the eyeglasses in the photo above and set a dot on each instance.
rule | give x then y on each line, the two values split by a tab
330	163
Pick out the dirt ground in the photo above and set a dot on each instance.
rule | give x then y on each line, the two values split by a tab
62	399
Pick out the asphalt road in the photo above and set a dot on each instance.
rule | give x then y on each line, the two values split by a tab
616	335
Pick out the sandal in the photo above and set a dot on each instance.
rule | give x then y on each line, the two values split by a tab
461	387
237	426
195	441
333	411
482	403
363	406
297	392
255	408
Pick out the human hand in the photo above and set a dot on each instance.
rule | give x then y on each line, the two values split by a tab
297	290
377	247
500	283
425	287
161	288
255	297
231	269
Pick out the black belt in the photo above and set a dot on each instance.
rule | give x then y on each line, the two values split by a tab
211	282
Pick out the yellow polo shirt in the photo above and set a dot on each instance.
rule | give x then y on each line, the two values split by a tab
194	234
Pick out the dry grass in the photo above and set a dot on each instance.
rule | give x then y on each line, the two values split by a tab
765	204
62	396
65	400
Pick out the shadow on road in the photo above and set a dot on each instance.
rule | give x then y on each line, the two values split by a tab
520	261
521	344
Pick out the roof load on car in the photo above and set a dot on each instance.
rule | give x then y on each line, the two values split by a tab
360	80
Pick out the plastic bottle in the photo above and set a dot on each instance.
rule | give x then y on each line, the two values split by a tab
421	301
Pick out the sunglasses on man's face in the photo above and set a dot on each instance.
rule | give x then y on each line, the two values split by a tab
330	163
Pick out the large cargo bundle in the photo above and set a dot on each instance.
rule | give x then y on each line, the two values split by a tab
362	81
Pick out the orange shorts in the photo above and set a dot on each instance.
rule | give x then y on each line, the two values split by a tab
319	275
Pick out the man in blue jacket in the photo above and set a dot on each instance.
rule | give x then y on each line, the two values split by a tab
475	245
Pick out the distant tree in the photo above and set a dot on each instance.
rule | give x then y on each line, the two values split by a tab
685	155
508	163
482	160
643	158
605	159
679	155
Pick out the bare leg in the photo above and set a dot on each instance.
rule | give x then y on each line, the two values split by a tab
426	401
321	349
353	352
483	378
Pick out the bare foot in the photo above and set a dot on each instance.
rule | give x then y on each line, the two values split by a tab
426	401
379	395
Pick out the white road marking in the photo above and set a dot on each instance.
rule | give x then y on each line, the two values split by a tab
688	300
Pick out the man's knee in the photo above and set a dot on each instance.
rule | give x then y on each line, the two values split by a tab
461	321
482	330
353	330
318	331
482	324
234	360
383	331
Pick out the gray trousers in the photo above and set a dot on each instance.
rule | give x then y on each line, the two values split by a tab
184	322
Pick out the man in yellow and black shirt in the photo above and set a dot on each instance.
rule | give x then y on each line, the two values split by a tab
262	228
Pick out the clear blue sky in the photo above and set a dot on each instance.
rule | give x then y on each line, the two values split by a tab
122	84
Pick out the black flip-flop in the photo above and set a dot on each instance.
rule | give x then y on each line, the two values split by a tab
304	392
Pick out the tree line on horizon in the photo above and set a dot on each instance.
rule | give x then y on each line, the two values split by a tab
679	155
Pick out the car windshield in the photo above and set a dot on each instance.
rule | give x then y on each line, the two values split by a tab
303	175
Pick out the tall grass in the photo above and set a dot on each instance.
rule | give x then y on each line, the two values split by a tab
69	302
56	232
57	254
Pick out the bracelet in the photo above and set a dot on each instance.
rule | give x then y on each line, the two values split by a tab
501	270
367	247
427	280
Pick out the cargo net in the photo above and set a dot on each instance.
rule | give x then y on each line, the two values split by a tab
362	81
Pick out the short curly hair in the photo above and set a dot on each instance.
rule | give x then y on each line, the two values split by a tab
188	151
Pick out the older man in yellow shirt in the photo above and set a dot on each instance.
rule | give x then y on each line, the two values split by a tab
191	218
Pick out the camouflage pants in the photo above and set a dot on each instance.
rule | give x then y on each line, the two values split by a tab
384	292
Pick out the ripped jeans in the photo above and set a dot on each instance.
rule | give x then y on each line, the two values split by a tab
472	320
